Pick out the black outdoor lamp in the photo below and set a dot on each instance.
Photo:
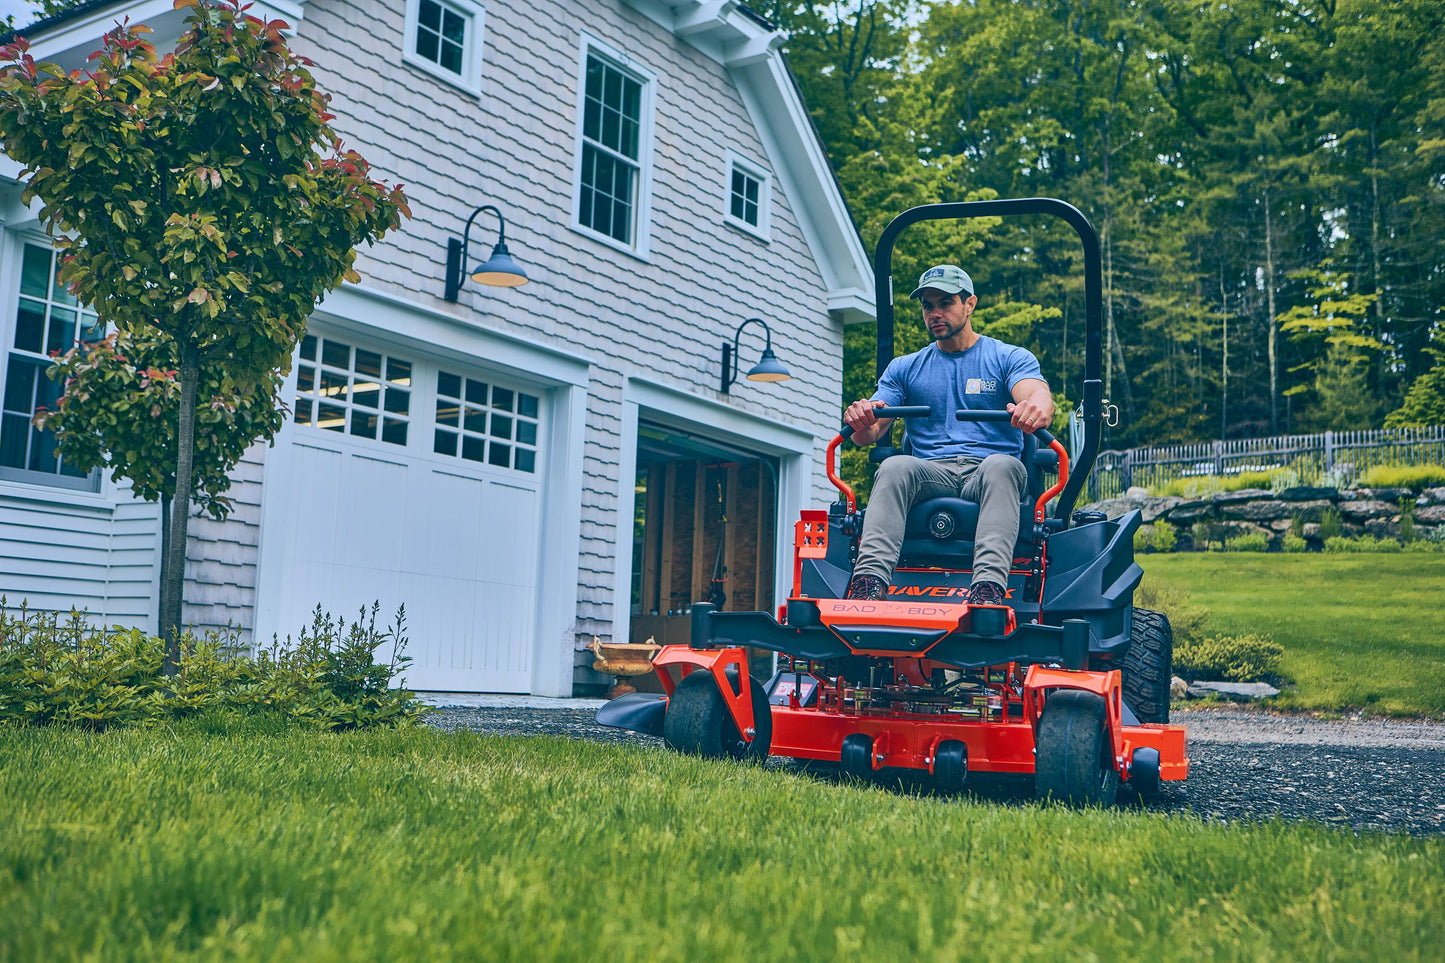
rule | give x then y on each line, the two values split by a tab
499	270
768	368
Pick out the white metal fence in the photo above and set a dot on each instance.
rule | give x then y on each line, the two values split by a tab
1331	456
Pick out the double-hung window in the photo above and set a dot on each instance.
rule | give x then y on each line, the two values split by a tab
47	321
614	150
444	38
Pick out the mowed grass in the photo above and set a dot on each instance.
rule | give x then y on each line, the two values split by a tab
1359	631
223	840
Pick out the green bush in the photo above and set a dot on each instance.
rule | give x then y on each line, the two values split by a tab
1407	520
55	671
1403	476
1424	547
1330	524
1248	542
1294	544
1230	658
1158	537
1362	544
1185	617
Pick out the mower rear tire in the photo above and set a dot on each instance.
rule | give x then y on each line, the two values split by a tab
697	721
1149	666
1073	762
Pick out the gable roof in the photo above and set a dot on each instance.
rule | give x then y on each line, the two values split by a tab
726	31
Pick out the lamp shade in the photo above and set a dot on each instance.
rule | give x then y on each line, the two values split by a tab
500	270
768	368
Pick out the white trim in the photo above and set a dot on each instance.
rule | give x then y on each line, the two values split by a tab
475	15
792	447
641	245
749	168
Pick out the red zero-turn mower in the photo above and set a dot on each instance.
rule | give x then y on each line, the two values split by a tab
1068	681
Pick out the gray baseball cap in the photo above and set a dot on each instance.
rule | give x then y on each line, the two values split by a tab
948	278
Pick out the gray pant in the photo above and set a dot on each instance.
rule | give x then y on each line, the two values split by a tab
996	483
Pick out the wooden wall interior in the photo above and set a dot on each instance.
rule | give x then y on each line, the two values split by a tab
681	525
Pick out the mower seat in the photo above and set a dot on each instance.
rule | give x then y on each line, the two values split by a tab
940	531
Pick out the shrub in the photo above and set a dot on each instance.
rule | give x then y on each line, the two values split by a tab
1330	524
1407	520
1248	542
1363	544
1232	658
1294	544
70	672
1403	476
1158	537
1297	524
1425	547
1186	618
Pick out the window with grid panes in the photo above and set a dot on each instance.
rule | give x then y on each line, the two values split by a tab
745	190
47	321
611	150
441	35
352	390
486	423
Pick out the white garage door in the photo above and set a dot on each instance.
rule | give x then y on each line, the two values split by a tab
415	482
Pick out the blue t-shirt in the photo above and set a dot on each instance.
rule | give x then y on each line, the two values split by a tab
982	376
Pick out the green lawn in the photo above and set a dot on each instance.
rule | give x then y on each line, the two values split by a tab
218	840
1359	631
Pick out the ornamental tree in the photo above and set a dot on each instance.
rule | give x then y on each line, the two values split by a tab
201	196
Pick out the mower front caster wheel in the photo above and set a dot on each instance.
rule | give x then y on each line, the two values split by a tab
697	720
950	765
857	755
1074	763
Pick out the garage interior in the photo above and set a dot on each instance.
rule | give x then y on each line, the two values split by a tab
703	530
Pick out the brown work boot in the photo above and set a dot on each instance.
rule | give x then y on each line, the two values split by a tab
987	593
869	587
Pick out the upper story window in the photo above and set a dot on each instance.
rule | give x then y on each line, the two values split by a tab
444	38
749	196
614	150
47	321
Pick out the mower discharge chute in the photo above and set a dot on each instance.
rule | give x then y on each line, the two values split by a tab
1068	681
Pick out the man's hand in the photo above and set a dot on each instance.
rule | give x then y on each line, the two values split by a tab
1033	406
867	428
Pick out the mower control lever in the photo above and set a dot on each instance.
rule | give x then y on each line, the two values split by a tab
900	411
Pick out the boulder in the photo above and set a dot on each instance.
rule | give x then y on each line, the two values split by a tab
1241	495
1235	529
1178	688
1189	512
1151	507
1114	507
1434	496
1365	509
1280	525
1234	691
1257	511
1134	491
1307	493
1433	515
1384	494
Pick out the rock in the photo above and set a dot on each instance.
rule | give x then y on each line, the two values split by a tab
1434	515
1258	511
1434	496
1310	511
1235	529
1385	494
1234	691
1189	512
1242	495
1305	493
1384	527
1361	511
1154	508
1114	507
1281	525
1178	688
1136	492
1310	530
1150	507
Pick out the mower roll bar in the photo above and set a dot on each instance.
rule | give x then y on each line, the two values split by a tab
1093	407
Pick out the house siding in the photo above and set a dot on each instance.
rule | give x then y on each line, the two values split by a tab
664	318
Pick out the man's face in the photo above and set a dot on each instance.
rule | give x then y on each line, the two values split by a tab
945	314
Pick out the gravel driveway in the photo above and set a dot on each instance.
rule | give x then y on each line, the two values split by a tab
1244	765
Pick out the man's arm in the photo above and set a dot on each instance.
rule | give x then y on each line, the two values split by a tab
1033	405
867	427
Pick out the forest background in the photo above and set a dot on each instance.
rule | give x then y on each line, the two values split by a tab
1267	178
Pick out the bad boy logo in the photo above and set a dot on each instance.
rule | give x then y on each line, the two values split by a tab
978	386
932	273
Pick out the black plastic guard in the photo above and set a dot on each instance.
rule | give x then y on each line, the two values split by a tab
638	711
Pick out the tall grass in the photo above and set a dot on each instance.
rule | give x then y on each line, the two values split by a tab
215	840
1403	476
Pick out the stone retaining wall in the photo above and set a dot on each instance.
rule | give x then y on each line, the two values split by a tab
1362	511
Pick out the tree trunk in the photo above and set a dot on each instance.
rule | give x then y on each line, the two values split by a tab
173	568
1273	320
